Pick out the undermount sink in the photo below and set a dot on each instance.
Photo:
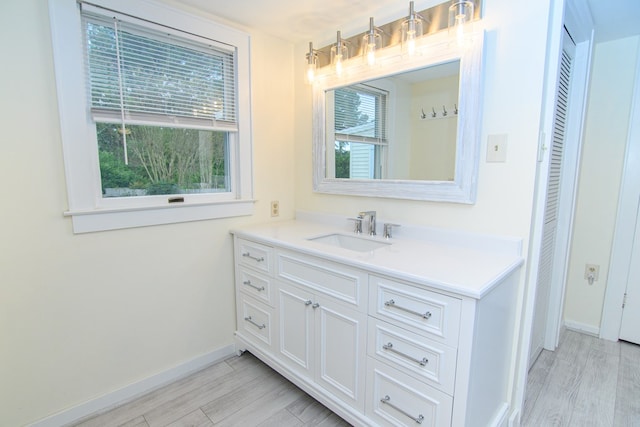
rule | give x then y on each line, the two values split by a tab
353	243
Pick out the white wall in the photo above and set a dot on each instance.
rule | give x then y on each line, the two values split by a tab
607	125
83	315
433	142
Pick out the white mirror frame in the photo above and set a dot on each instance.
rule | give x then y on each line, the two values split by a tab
436	49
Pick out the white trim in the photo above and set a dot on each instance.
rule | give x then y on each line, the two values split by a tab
135	390
582	327
580	77
625	221
115	219
81	158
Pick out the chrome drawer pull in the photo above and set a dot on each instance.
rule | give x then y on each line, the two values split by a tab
257	325
387	401
248	283
255	258
392	303
389	346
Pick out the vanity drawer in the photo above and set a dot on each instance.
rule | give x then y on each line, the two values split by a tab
419	309
336	280
396	399
255	284
254	255
255	321
417	356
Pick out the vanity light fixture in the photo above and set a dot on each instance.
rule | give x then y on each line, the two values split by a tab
312	64
411	29
372	43
461	21
339	54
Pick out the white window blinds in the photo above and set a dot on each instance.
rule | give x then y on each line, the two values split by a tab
361	115
156	76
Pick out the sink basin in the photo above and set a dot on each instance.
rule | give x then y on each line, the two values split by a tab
352	243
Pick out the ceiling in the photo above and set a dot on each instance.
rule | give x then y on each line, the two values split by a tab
306	20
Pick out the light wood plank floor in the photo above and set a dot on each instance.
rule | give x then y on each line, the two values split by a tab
240	391
586	382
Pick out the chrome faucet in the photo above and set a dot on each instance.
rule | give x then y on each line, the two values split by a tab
371	229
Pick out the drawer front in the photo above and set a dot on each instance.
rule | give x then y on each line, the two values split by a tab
254	255
336	280
396	399
256	285
255	322
424	312
417	356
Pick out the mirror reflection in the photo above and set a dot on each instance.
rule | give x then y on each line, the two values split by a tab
401	127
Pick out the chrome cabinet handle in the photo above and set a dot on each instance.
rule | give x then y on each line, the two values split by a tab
392	303
389	346
315	305
257	325
255	258
308	302
387	401
248	283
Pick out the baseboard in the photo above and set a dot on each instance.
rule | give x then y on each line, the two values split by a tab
500	420
132	391
514	419
582	327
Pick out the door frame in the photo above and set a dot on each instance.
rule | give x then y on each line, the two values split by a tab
575	15
625	221
581	74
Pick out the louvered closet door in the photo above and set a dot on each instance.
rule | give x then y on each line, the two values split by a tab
546	261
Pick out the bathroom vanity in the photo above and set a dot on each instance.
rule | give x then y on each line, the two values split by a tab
417	329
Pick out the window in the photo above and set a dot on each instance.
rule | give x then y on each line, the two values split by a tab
360	118
155	120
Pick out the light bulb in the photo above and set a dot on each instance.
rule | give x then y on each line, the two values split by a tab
312	63
411	43
372	41
371	55
460	30
461	21
339	53
311	73
411	29
338	65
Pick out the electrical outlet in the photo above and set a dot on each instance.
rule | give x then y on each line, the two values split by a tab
591	272
275	208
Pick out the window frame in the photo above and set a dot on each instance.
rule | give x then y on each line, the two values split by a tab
384	95
87	208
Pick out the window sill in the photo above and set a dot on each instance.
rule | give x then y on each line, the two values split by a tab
88	221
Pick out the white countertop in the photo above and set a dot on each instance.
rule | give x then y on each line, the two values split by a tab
466	264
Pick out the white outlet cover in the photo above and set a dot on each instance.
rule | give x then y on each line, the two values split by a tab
497	148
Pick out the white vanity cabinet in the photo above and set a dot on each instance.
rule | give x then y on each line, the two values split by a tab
255	314
376	347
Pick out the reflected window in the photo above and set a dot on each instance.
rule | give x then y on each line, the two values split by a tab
360	123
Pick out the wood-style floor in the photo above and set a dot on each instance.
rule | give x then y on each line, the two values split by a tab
585	382
240	391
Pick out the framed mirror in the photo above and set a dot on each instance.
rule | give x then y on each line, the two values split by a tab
407	129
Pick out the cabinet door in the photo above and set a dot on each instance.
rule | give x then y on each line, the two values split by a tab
340	350
295	319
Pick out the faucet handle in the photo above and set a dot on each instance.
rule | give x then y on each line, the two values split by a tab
388	227
357	226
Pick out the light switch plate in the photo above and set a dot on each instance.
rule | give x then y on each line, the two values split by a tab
497	148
